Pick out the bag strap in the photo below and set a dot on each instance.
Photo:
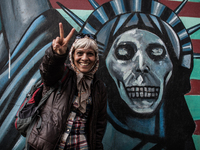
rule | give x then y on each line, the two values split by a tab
44	98
33	120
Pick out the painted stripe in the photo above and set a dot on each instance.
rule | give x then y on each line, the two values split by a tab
190	22
193	103
196	45
195	85
76	4
191	9
188	0
84	14
196	139
197	130
196	71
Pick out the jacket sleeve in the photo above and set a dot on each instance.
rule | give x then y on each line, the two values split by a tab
52	67
101	118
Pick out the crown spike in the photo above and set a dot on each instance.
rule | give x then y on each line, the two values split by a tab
94	4
193	29
180	7
79	21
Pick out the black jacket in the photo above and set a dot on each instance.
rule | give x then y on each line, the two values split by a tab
57	108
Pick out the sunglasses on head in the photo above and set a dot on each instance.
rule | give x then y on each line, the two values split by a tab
82	35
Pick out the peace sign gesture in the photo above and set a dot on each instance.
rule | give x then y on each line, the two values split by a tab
60	43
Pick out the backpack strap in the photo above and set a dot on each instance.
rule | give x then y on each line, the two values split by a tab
33	121
44	98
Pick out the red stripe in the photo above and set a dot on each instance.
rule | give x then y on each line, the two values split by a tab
196	46
195	86
65	75
16	123
32	100
18	113
191	9
76	4
197	130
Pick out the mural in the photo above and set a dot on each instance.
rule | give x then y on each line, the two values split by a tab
149	58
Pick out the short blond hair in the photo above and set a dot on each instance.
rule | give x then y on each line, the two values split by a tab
85	43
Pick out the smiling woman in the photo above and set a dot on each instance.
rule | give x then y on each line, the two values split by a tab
84	59
79	104
84	54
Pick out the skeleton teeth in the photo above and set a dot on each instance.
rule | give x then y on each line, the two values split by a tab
149	94
130	94
133	94
141	89
129	89
143	92
157	89
145	89
137	89
137	94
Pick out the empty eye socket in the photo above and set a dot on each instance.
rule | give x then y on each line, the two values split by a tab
156	52
125	51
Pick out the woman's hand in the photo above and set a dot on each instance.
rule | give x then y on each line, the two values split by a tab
60	43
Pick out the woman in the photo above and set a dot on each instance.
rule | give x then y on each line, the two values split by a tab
79	104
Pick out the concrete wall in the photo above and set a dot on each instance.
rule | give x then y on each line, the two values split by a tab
149	59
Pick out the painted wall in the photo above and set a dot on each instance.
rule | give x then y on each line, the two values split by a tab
149	53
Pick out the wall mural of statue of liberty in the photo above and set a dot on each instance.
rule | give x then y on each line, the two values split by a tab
146	62
146	59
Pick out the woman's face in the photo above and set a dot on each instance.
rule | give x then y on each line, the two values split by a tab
84	59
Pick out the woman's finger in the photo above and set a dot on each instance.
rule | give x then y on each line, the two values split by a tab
69	36
54	44
57	40
61	32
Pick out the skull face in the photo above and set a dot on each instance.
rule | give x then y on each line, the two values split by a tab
140	65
